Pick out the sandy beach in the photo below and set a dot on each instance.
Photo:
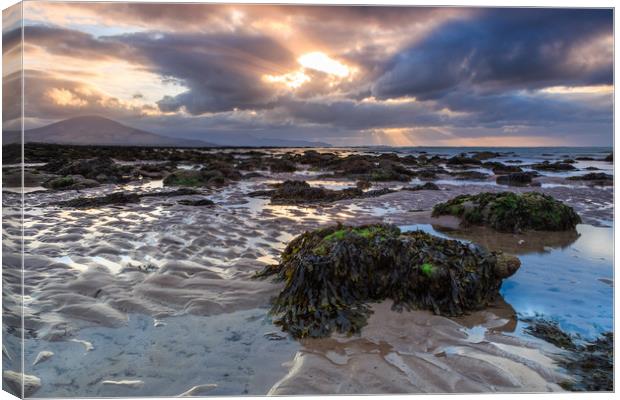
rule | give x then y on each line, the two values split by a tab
157	297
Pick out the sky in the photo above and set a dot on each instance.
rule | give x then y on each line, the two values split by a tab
400	76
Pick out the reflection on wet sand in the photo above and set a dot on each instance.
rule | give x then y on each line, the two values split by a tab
149	284
530	242
413	352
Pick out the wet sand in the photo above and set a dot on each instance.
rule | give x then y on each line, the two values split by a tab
156	298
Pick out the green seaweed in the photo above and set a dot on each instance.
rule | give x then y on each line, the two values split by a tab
427	269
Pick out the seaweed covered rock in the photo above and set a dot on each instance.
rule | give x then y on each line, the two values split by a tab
210	175
596	178
101	169
425	186
197	203
366	168
590	364
118	198
511	212
331	274
300	192
71	182
515	179
554	167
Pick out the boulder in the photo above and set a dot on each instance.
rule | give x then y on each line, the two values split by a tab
71	182
118	198
330	276
515	179
300	192
511	212
596	178
557	166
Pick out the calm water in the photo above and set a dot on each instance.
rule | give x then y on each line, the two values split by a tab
570	284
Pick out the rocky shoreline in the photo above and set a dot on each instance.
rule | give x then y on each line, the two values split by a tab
111	232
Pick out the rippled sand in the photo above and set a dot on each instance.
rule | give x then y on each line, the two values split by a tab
146	285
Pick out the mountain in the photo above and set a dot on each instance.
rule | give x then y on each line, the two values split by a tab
94	130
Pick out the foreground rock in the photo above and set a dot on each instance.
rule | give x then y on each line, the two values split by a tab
511	212
590	364
331	274
300	192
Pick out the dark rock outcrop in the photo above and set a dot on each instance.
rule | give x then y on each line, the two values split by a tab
511	212
330	275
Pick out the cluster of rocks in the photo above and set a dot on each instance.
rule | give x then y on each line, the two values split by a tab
300	192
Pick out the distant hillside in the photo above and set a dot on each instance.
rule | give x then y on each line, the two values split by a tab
93	130
245	139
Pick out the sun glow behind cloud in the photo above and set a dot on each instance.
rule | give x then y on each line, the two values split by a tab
316	61
322	62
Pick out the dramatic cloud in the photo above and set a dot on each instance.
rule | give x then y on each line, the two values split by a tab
505	49
358	75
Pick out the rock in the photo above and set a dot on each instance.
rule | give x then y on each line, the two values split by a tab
473	175
609	158
360	167
511	212
515	179
199	390
42	357
196	203
426	186
590	364
363	185
101	169
282	165
73	182
501	169
557	166
596	178
172	193
14	382
300	192
463	160
215	173
331	274
118	198
484	155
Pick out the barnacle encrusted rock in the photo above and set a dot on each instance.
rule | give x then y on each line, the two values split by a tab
511	212
331	274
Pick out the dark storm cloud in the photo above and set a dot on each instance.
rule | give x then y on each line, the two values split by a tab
221	71
72	43
468	69
504	49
